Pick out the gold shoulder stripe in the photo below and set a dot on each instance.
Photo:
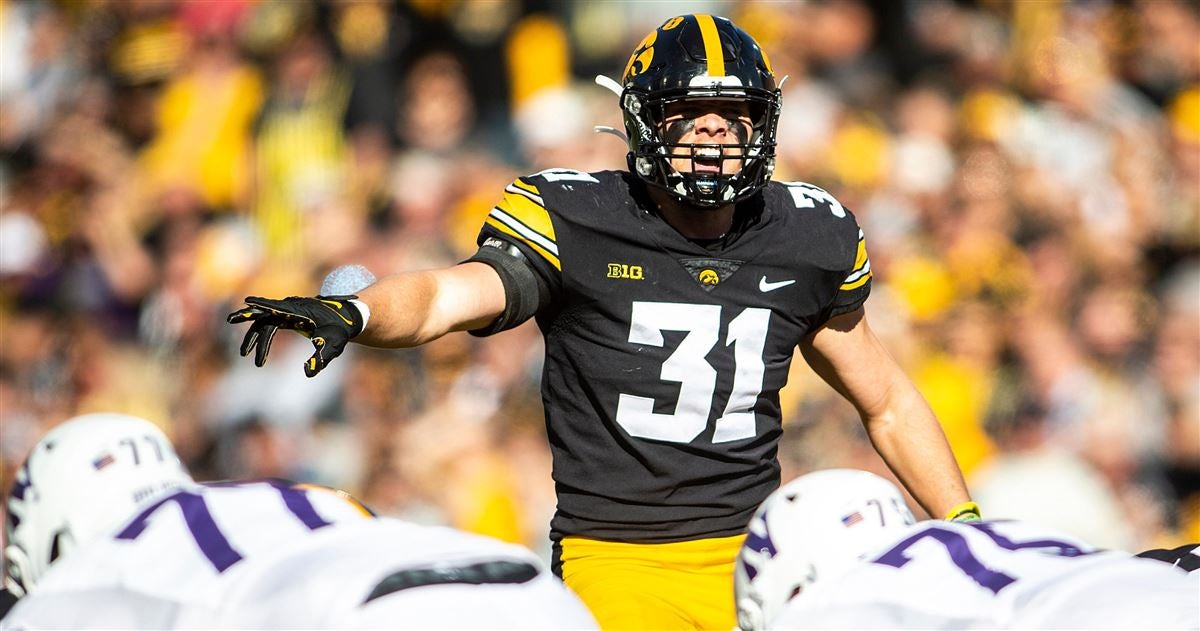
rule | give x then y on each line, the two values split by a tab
712	45
537	199
858	282
861	257
862	267
520	183
546	254
529	213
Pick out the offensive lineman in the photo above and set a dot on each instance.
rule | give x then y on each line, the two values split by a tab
839	549
106	530
672	298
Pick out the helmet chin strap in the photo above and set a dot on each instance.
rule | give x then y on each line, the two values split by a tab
708	184
678	190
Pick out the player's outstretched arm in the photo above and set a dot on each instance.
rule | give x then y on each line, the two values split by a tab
414	308
904	430
402	310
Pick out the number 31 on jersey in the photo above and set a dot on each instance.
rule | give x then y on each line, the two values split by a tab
696	377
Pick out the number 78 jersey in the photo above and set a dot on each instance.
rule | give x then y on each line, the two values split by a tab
665	357
996	575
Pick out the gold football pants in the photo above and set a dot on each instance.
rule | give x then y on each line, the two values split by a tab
685	585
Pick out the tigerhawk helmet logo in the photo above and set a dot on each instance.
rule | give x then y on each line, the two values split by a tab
709	277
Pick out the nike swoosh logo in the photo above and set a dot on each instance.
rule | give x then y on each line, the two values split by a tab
337	305
765	286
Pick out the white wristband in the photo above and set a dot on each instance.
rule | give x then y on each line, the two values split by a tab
364	311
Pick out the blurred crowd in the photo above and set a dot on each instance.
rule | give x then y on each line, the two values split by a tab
1027	175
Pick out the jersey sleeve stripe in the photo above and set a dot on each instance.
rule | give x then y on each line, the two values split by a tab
528	188
858	278
861	256
537	199
502	227
529	213
524	229
862	267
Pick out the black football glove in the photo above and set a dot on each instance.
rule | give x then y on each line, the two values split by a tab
329	321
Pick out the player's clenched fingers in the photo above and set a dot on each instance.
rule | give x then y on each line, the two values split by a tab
316	363
328	347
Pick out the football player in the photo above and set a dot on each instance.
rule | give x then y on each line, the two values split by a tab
840	549
671	297
106	530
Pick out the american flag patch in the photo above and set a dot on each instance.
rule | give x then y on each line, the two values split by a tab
852	518
103	461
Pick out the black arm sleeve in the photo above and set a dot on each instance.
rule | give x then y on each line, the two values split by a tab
525	293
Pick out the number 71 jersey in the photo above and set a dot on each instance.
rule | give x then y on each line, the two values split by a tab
664	356
181	553
272	555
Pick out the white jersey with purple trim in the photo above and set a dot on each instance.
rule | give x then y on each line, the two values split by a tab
996	575
395	575
273	555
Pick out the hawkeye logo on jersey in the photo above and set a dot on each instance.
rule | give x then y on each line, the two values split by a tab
710	272
629	272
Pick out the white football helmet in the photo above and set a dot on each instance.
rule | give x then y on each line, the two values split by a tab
811	528
80	480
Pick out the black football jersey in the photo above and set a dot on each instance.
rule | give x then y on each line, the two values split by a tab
664	358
